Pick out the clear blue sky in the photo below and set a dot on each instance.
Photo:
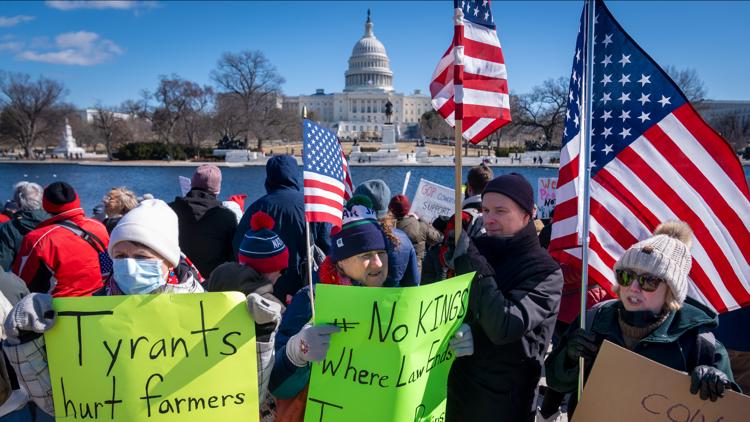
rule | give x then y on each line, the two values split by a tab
112	51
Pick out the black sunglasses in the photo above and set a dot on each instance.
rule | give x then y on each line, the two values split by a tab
647	282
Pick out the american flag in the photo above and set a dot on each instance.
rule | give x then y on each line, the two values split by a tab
653	159
326	175
473	87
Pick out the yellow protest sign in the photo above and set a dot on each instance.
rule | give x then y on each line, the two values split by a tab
391	359
165	357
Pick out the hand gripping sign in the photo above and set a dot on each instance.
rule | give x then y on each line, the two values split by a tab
165	357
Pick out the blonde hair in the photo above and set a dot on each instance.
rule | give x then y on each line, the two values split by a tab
124	199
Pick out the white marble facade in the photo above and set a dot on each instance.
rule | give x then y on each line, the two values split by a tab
359	111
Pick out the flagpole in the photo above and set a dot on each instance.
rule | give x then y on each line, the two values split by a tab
458	61
586	152
311	294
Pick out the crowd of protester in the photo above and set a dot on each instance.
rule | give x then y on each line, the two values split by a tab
521	300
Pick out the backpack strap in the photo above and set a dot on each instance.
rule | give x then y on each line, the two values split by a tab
89	237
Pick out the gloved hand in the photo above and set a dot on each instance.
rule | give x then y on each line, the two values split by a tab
581	344
310	344
468	259
32	313
462	342
266	314
710	381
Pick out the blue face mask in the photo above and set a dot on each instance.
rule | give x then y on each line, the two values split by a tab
138	276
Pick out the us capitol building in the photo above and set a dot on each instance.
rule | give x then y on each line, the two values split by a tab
359	111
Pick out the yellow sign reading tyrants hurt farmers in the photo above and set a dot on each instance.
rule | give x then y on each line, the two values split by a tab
188	357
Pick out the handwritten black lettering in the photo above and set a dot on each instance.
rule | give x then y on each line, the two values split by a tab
204	330
79	315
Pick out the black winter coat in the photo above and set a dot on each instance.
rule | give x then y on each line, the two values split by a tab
284	202
513	307
206	230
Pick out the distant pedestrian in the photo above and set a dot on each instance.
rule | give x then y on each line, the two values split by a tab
116	204
62	254
206	227
28	196
421	234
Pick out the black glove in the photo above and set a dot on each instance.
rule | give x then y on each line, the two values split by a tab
581	344
710	381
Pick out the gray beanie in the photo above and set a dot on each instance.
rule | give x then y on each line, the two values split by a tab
665	255
378	192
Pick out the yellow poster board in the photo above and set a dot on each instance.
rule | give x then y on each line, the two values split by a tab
165	357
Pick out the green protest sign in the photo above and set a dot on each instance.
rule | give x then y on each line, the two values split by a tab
390	362
165	357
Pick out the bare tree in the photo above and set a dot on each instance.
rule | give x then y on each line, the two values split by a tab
111	128
543	108
228	115
172	96
734	129
195	120
689	82
255	82
432	125
29	108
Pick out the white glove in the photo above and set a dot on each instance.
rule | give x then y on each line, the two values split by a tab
32	313
462	342
310	344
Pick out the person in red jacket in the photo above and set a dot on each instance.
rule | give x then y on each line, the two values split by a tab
61	256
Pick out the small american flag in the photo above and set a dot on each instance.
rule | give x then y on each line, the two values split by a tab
470	82
653	159
326	175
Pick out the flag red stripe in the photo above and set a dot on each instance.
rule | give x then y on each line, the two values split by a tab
480	50
322	217
563	242
714	144
312	183
703	187
568	171
493	126
322	200
639	167
612	224
480	111
566	209
485	84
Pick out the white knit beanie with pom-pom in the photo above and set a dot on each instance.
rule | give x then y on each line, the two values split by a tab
665	255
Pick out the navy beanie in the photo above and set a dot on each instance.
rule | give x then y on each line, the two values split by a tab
261	248
515	187
360	232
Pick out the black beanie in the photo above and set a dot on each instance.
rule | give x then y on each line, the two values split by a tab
515	187
60	197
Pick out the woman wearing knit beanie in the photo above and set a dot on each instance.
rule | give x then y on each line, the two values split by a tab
651	318
146	260
358	257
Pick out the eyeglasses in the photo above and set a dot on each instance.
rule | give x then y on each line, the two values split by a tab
647	282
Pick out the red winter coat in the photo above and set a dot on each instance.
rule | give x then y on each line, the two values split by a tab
54	260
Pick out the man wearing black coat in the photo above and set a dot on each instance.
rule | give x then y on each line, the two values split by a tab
513	306
206	226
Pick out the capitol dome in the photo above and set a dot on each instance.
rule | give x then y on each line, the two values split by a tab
369	68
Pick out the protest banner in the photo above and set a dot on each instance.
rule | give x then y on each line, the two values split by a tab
625	386
432	200
546	196
391	359
163	357
185	184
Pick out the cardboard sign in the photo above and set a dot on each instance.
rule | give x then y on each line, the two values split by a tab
546	196
624	386
162	357
390	362
432	200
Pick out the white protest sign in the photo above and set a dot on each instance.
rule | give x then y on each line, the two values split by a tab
546	196
185	184
432	200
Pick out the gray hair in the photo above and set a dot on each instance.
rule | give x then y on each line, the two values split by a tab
28	195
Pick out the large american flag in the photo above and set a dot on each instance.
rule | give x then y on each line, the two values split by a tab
470	82
653	159
326	175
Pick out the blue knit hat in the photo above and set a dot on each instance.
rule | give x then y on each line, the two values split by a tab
261	248
359	233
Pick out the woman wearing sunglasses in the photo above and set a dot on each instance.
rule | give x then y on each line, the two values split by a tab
650	317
